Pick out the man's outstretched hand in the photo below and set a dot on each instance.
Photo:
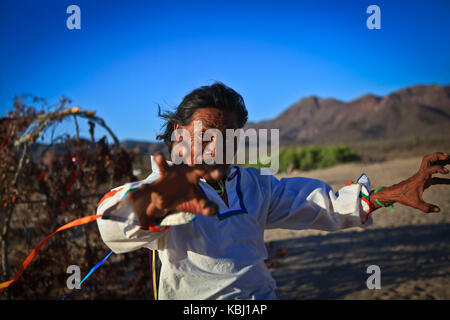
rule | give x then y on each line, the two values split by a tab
175	190
409	192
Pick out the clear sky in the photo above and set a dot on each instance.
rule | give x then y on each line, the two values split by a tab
130	56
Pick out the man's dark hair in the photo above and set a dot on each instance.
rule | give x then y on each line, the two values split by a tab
216	95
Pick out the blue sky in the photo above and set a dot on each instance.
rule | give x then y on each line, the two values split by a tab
130	56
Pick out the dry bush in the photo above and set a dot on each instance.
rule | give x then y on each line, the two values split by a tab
41	192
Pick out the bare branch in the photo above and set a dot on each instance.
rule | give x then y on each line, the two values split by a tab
44	120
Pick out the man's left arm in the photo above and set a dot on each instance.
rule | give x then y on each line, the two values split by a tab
409	192
302	203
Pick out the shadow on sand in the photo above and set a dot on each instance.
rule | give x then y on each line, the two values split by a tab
334	265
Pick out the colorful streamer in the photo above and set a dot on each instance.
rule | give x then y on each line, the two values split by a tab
33	253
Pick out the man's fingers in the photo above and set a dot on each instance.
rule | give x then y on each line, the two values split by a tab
431	158
427	207
214	174
441	162
208	208
436	180
437	169
209	172
141	190
155	211
161	162
201	206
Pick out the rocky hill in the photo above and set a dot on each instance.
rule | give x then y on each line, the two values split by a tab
417	111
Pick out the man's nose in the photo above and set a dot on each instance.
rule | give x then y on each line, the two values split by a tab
210	148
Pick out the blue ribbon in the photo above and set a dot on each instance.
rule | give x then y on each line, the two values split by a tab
89	274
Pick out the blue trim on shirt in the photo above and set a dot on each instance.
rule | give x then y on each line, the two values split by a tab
242	208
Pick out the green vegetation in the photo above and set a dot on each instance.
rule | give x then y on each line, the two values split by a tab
313	157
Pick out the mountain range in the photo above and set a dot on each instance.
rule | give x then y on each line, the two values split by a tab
417	111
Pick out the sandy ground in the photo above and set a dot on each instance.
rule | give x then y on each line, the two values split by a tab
411	248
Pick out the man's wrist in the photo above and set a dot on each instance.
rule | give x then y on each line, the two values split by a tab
382	198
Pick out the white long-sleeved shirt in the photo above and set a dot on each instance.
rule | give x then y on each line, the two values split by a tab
222	257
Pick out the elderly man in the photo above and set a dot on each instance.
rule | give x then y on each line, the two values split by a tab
207	220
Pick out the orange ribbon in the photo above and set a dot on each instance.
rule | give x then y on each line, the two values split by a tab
108	195
33	253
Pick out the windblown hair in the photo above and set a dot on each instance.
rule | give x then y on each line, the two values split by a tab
216	95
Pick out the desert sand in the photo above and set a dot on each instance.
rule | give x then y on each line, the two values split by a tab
411	248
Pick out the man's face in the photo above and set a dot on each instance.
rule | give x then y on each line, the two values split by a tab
211	118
